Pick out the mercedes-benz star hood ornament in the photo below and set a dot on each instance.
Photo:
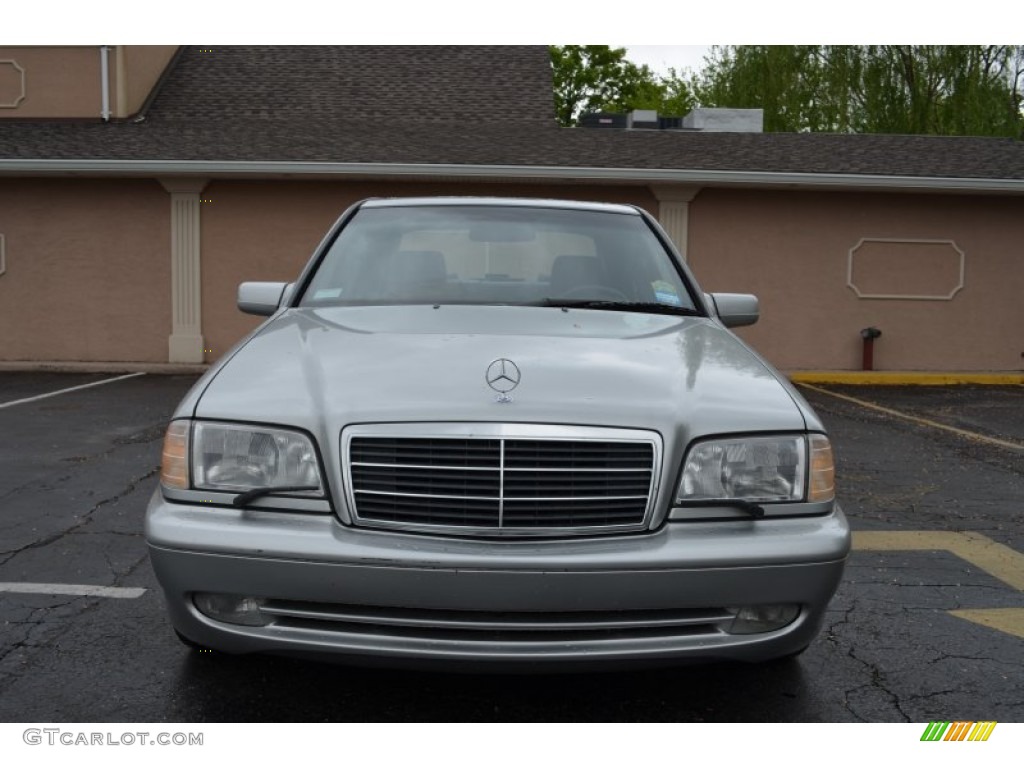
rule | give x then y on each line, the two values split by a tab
503	376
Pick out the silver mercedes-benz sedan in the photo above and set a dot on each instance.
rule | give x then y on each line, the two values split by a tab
501	432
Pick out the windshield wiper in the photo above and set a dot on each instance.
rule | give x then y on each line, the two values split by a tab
653	307
244	499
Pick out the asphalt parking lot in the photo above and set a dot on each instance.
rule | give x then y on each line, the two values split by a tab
928	625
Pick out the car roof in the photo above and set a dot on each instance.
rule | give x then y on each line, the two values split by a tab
503	202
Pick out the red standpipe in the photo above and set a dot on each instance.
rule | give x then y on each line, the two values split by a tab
868	352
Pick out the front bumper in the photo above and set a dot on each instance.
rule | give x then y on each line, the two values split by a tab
375	596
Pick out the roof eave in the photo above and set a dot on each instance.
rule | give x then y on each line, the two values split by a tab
305	169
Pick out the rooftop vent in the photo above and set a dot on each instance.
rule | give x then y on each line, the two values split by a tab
642	118
603	120
710	120
725	120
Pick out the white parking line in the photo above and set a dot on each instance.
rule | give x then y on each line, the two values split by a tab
70	389
79	590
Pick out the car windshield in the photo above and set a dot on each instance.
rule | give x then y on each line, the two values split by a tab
476	254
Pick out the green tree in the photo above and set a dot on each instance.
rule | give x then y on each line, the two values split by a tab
677	97
589	78
934	89
586	77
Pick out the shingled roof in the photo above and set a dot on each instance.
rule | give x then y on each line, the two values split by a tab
374	85
448	105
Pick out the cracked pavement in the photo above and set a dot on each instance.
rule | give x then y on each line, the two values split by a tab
76	471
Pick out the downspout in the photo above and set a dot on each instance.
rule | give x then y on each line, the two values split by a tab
105	82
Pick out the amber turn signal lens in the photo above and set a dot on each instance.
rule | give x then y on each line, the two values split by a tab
174	461
823	470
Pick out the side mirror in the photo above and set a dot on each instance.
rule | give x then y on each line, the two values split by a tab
736	309
261	298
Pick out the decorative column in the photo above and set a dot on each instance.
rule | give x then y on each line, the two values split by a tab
185	344
674	213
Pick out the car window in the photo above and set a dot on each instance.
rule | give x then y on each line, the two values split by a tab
494	255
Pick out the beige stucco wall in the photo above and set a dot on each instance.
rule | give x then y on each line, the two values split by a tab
88	270
59	81
792	250
88	263
268	230
138	67
64	81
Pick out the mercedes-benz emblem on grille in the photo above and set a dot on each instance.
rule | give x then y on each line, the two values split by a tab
503	376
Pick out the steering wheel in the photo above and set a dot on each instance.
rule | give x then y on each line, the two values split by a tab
595	292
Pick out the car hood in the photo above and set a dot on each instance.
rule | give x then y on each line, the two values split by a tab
324	368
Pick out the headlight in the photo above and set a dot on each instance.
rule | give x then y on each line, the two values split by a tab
237	458
758	469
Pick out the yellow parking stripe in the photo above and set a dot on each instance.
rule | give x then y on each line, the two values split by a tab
1008	620
998	560
918	420
1004	563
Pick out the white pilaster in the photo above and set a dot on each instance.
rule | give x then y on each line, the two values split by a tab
674	213
185	344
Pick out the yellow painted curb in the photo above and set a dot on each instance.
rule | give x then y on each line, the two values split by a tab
922	378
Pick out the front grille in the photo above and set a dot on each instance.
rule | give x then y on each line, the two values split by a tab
500	484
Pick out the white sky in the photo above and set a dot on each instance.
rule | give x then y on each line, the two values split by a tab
198	22
661	58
